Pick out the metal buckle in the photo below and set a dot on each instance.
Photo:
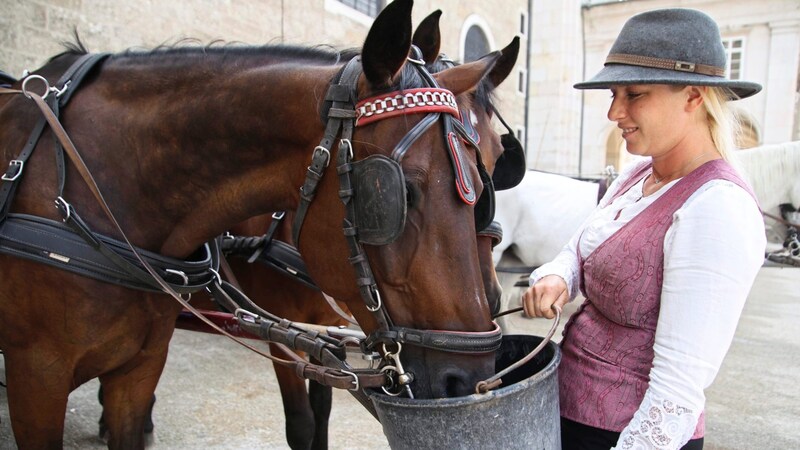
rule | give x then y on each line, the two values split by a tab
180	274
243	314
65	207
216	276
349	145
355	380
19	164
377	298
324	150
60	92
684	66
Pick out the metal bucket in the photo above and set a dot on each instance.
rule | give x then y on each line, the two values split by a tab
523	414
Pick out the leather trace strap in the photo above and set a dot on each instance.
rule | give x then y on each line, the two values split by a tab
667	64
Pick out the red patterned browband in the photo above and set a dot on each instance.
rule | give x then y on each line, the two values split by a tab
411	101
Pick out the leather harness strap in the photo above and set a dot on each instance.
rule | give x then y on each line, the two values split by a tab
101	257
321	374
62	92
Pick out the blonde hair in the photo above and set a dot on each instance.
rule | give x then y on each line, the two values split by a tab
723	123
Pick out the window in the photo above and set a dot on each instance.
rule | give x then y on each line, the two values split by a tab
734	50
476	44
522	81
368	7
523	23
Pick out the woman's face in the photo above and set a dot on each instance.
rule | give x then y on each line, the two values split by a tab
653	117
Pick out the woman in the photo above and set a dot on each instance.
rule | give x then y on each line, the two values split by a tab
668	257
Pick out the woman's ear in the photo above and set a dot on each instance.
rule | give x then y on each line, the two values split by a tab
695	97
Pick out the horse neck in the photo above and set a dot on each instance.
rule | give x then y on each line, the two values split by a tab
213	145
771	171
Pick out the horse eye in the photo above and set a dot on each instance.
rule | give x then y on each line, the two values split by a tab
411	195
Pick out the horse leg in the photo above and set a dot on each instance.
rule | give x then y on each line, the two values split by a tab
321	398
128	397
103	428
38	388
300	425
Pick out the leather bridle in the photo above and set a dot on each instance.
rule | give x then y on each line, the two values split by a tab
342	117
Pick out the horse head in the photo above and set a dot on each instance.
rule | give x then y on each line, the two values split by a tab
415	187
495	149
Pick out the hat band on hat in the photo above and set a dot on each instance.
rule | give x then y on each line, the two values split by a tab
668	64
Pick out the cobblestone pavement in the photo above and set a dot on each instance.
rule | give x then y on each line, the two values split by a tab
216	395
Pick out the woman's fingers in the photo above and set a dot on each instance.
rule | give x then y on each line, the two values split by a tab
527	302
538	300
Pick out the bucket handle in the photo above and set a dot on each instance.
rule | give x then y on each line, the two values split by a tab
491	383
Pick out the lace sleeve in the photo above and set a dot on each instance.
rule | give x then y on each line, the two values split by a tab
658	424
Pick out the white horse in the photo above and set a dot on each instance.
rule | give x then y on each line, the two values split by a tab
541	214
774	173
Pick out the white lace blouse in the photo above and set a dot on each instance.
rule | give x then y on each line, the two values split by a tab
712	253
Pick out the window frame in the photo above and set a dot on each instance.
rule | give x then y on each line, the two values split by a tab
727	43
480	22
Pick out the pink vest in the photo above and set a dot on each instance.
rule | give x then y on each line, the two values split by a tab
608	343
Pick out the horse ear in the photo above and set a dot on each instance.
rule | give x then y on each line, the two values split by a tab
387	44
505	64
428	38
465	78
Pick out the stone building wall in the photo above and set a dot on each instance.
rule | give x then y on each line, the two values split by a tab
31	30
562	42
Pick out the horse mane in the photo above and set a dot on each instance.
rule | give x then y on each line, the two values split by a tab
191	46
771	170
75	47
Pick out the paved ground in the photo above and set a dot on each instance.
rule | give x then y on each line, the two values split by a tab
216	395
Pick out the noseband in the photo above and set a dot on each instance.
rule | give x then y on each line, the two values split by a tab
377	181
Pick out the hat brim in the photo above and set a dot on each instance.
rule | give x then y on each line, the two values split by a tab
623	74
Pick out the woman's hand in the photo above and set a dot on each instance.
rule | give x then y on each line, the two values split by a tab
539	299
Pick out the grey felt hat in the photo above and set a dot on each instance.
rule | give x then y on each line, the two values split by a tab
669	46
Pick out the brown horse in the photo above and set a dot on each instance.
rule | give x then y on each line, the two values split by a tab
307	409
202	140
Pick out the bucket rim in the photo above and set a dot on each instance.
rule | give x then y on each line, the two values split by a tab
547	371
